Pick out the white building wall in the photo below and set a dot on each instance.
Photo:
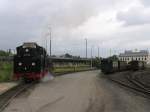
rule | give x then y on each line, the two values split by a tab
148	59
138	58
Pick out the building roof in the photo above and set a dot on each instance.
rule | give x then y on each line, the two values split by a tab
134	54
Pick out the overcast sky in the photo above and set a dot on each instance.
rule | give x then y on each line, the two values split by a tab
110	24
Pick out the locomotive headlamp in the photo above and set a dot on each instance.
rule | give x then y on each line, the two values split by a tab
27	50
33	63
19	63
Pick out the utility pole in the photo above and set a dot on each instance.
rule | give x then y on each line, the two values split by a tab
98	51
110	52
115	53
86	47
50	42
91	57
46	44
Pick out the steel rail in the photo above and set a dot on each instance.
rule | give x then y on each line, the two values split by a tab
9	95
138	88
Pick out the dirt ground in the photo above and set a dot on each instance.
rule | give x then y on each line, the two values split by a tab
79	92
6	86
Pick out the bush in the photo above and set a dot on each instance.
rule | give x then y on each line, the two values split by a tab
6	71
4	53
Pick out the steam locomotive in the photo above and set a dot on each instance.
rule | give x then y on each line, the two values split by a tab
30	62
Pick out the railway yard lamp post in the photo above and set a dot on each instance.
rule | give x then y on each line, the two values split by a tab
110	52
91	57
98	51
50	42
86	47
46	44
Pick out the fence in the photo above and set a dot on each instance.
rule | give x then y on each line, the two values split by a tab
6	58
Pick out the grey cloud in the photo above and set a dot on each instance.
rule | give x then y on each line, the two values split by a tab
22	20
134	16
145	2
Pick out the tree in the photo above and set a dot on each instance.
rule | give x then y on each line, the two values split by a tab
96	62
68	55
114	58
4	53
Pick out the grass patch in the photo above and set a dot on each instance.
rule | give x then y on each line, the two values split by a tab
6	71
63	70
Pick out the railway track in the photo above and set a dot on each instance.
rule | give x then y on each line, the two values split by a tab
138	83
9	95
133	84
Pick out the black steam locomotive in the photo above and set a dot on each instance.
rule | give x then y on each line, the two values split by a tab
110	66
30	62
